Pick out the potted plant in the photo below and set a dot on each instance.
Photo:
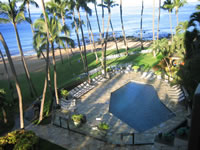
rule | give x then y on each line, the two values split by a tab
64	93
103	127
78	119
135	68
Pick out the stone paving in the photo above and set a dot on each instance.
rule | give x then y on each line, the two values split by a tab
95	104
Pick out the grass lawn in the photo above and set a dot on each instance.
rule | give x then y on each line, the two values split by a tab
68	73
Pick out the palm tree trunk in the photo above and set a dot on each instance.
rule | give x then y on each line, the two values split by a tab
158	20
79	45
123	31
61	58
7	75
5	120
16	81
30	83
177	16
154	54
83	40
170	22
63	21
46	83
141	25
114	36
94	46
104	53
55	74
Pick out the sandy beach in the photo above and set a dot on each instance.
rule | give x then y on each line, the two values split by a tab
36	64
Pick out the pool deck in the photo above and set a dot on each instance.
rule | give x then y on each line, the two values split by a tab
95	105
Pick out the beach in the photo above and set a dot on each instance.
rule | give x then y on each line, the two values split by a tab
36	64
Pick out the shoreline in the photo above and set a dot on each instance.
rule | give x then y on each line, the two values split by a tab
36	64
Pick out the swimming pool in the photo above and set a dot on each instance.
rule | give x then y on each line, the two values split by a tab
139	106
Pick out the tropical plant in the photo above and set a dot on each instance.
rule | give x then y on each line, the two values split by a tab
59	9
110	4
124	35
103	126
176	5
10	13
28	3
168	5
47	75
64	93
15	79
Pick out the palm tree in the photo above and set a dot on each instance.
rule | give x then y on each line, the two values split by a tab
168	5
15	79
7	74
107	4
59	8
27	3
158	20
82	4
46	83
54	27
125	41
71	5
110	4
177	4
141	25
10	13
154	54
90	30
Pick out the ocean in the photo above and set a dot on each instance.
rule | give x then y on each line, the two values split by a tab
131	18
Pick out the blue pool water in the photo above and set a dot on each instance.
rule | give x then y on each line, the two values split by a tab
139	106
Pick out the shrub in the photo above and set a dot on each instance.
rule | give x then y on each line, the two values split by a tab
77	117
64	93
103	126
19	140
135	67
158	72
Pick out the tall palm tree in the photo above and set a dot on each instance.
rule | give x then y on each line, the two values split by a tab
168	5
82	4
158	20
110	4
10	13
59	8
54	27
124	35
27	3
154	54
46	83
15	79
75	23
141	25
90	30
7	74
107	4
177	4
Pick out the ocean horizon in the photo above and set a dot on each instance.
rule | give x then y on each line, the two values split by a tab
131	18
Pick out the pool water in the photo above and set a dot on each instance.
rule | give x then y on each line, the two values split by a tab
139	106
